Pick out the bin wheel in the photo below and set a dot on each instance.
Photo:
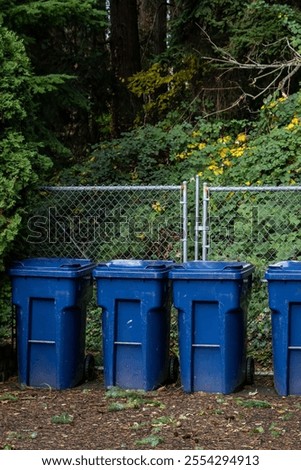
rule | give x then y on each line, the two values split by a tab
173	369
89	365
250	371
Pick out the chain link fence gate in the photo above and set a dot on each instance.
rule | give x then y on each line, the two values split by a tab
257	224
110	222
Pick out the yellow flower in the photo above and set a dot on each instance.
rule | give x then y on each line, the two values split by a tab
195	134
200	173
140	235
157	207
225	139
272	104
216	169
237	152
213	166
248	183
241	138
227	162
181	156
223	152
134	175
191	148
295	121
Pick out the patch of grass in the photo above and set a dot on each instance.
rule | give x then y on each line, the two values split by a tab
116	392
14	435
128	405
158	424
220	400
253	403
155	403
133	403
258	430
132	399
151	440
287	416
275	430
218	412
137	426
8	397
63	418
117	406
162	421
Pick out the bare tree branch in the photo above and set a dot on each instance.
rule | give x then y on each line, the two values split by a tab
233	105
274	70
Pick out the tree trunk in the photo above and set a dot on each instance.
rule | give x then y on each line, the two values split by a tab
152	28
125	59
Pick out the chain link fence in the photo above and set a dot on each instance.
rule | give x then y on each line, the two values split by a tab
110	222
260	225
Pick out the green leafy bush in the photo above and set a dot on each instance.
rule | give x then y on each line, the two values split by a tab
21	163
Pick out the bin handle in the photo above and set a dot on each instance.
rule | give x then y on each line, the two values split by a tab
71	265
17	263
235	266
149	266
155	266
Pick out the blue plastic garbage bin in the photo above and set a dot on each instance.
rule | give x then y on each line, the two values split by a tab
284	290
135	299
51	296
211	299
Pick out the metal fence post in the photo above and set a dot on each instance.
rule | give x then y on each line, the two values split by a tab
204	222
197	215
185	220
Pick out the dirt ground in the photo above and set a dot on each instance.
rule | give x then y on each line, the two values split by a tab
89	417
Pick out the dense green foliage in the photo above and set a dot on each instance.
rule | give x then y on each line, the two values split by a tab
262	152
22	163
21	160
65	45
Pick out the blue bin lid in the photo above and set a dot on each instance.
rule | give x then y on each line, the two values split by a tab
138	269
215	270
284	271
51	267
